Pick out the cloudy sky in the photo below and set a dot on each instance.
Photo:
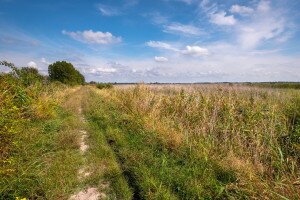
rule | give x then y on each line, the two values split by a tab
156	41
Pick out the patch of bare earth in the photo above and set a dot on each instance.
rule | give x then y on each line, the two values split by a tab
90	193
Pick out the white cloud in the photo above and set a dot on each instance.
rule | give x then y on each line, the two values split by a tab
173	27
195	51
220	18
93	37
161	45
181	29
252	35
189	50
161	59
264	6
32	64
108	10
242	10
206	7
100	70
264	24
44	61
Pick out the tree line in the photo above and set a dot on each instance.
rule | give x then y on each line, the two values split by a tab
61	71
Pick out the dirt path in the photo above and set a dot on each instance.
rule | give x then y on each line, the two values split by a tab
89	193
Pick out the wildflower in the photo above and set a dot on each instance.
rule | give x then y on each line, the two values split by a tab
18	198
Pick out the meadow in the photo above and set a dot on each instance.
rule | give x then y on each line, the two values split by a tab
202	141
150	141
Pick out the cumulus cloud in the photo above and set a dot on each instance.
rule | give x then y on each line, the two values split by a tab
242	10
161	45
93	37
260	23
161	59
32	64
195	51
181	29
220	18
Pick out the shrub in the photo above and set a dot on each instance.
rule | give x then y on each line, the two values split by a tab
26	75
104	85
22	99
66	73
30	76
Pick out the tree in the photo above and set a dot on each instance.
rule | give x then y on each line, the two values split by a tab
26	75
29	76
66	73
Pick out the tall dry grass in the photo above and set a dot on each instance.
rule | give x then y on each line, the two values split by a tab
253	132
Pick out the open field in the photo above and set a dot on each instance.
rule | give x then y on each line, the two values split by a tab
215	141
193	142
150	100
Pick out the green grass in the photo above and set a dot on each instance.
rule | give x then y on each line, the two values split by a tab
198	142
282	85
104	167
46	160
202	142
152	170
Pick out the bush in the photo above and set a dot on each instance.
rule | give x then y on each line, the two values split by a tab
104	85
30	76
26	75
22	99
66	73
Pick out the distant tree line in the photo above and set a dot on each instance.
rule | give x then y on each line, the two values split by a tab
61	71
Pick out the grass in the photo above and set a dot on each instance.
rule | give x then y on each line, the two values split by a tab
282	85
151	142
103	163
202	142
44	161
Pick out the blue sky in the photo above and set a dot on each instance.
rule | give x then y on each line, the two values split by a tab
156	41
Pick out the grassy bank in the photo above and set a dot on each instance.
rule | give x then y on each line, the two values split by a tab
202	142
41	158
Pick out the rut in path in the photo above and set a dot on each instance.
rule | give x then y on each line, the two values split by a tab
90	193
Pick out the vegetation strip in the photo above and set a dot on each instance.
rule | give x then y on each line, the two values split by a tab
131	139
167	167
229	141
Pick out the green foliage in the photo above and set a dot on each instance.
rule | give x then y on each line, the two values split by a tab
15	102
25	104
204	142
44	161
65	72
152	170
104	85
30	76
283	85
26	75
